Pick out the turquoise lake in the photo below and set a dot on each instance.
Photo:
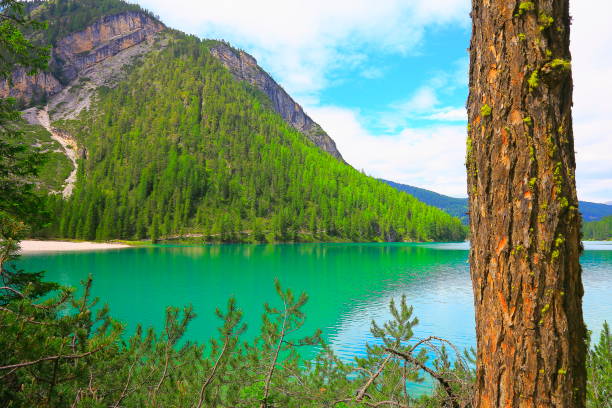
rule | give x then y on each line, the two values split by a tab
348	285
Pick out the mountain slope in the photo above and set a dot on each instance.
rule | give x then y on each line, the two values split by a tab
170	140
594	211
182	148
83	33
244	67
458	207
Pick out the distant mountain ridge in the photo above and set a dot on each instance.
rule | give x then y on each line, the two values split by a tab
458	207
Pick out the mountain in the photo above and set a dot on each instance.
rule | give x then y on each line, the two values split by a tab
594	211
458	207
81	46
168	136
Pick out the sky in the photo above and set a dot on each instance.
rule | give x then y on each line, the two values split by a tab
388	79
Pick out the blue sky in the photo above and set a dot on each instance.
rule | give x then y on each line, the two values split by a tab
388	79
385	77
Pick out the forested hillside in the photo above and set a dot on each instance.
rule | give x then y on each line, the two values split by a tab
181	148
598	230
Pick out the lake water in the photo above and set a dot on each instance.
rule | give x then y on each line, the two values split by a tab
348	284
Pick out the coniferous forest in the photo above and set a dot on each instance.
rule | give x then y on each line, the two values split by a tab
598	230
181	148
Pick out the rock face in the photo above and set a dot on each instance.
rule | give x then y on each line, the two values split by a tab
79	93
78	51
244	67
105	38
29	87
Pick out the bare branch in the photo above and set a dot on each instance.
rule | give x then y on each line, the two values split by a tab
445	384
212	374
52	358
364	389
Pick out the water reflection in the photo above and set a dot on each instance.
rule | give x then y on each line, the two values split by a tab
348	284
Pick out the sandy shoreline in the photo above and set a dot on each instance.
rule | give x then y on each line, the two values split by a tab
33	247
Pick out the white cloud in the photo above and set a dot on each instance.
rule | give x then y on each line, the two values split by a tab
423	100
431	157
426	103
449	114
592	68
372	73
423	105
304	42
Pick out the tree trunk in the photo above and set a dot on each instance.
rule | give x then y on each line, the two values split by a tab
524	219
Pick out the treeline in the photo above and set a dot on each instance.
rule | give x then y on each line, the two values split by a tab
181	148
598	230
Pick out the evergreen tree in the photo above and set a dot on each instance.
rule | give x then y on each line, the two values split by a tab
524	219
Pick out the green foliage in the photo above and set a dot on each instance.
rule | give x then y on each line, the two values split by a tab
273	357
65	354
532	182
181	148
533	80
524	7
561	64
55	170
457	207
17	51
598	230
485	110
19	168
16	282
56	167
545	21
59	346
599	371
19	162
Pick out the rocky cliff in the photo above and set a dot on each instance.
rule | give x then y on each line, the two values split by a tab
30	88
244	67
78	51
94	56
105	38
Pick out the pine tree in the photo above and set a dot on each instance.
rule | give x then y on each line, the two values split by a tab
524	220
